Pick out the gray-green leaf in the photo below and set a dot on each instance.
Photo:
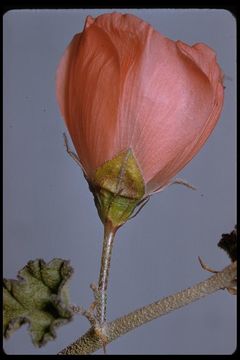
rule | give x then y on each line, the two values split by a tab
38	297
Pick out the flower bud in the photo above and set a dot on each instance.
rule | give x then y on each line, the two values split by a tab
138	107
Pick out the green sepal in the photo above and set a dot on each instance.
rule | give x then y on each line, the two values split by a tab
118	187
38	297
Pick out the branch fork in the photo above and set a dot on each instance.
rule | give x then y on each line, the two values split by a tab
232	289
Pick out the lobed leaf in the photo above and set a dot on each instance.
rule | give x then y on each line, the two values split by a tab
38	297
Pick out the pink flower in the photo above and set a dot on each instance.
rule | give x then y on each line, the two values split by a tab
122	85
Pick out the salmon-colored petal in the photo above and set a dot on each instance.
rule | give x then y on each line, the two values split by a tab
88	95
215	77
167	99
91	85
130	37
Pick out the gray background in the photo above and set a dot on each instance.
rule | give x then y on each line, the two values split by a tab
49	212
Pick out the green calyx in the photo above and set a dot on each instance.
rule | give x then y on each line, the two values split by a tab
118	187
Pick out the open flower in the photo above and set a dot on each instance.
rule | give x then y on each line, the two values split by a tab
128	93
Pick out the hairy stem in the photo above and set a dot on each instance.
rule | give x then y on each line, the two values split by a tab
109	234
91	341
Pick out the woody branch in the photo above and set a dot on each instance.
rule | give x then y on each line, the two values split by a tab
92	340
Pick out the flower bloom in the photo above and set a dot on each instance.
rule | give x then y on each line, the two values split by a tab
122	85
